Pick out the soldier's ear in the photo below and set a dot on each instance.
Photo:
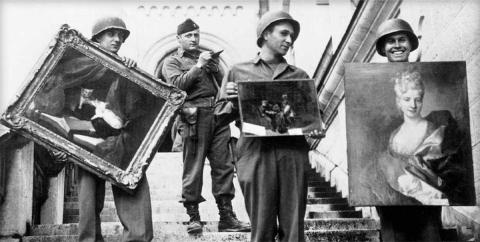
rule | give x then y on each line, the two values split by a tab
264	37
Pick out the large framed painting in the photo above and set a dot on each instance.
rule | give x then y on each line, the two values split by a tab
408	134
83	101
278	108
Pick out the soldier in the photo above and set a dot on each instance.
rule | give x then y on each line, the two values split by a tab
197	73
134	211
271	170
395	40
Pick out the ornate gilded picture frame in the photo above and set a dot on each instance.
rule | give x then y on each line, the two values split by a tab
278	108
83	101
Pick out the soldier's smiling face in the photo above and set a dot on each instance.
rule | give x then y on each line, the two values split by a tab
397	47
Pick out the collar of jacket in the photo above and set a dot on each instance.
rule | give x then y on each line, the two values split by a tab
283	65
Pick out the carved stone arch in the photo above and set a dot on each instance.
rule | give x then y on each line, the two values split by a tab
167	45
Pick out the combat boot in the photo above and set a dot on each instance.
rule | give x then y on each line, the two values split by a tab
194	225
228	220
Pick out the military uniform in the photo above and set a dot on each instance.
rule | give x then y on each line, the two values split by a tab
271	170
202	137
124	99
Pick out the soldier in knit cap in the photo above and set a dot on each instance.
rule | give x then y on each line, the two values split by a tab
197	72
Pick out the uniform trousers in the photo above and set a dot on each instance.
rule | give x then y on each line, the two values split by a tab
410	223
210	141
272	175
134	210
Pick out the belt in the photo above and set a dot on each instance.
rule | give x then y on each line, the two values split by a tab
201	102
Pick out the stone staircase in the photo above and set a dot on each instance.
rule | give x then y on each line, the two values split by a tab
328	216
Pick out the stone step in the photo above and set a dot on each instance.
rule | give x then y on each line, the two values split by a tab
110	228
312	235
323	194
176	207
340	224
207	210
67	219
171	217
110	214
161	211
335	214
164	205
321	189
328	207
318	184
314	177
161	237
328	200
64	232
371	235
175	194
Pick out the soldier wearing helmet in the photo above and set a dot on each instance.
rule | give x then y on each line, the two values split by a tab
271	171
109	23
395	41
134	210
197	73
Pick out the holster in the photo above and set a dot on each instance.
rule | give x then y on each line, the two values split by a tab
189	117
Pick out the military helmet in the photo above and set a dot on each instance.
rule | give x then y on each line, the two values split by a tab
107	23
391	26
274	16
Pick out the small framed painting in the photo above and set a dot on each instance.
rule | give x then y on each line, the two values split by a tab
278	108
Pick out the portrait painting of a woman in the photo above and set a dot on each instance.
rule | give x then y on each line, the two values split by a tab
408	138
420	162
